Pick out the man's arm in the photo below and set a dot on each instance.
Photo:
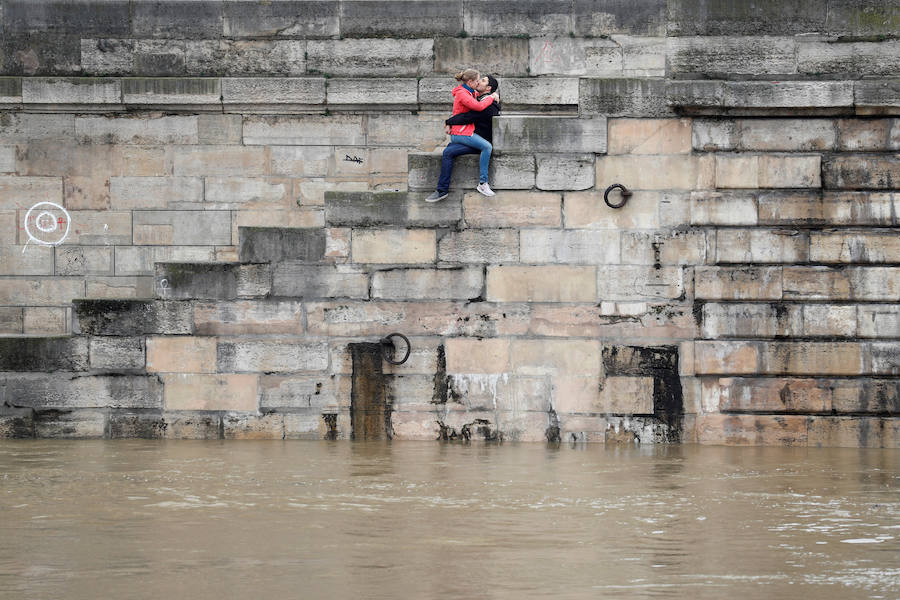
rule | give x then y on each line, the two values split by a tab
463	118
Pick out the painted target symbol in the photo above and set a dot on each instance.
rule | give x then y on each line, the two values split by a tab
47	223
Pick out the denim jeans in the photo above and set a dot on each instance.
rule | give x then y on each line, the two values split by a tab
479	143
450	153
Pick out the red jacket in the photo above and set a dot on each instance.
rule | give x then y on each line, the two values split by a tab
464	101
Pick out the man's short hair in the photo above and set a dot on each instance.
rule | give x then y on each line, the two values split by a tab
493	83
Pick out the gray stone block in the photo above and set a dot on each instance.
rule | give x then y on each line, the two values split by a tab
214	281
178	19
193	425
855	60
219	129
244	57
16	423
688	94
363	93
787	94
83	260
271	357
182	227
564	172
435	92
107	56
12	319
161	58
374	209
76	390
863	18
44	354
133	317
140	425
721	57
552	17
541	93
875	97
397	19
174	91
774	17
74	90
69	424
497	56
624	97
307	130
117	353
286	18
10	90
78	17
511	171
322	281
25	127
861	171
253	91
457	283
279	244
479	246
370	57
550	134
40	54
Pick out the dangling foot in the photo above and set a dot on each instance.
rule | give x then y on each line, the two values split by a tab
436	196
485	189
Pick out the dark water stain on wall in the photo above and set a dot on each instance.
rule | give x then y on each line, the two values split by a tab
370	410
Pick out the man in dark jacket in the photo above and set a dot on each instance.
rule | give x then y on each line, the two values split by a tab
482	120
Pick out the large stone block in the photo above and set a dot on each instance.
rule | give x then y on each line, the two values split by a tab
701	17
244	193
177	91
117	353
458	283
567	246
348	93
550	134
81	90
47	320
226	160
625	97
762	246
118	287
541	284
787	94
26	260
308	281
307	130
878	320
287	92
724	57
271	356
861	171
132	317
7	159
721	320
861	59
479	246
556	357
849	283
372	209
640	282
83	260
876	96
86	17
370	57
141	260
544	93
154	192
48	158
24	192
77	390
853	432
564	172
662	248
793	135
417	318
856	135
279	244
68	424
215	281
649	136
586	210
302	392
248	317
394	246
488	356
665	172
773	395
752	430
738	283
136	130
430	18
181	354
174	19
550	17
835	247
497	56
795	208
575	56
513	209
210	392
40	292
294	18
812	358
182	228
12	320
44	354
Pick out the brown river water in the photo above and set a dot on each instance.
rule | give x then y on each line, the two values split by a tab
196	520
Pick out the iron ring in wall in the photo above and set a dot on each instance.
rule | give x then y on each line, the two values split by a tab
625	194
388	342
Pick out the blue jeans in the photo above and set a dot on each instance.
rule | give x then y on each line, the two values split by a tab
451	152
478	143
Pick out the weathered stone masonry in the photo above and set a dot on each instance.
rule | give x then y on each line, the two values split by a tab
245	185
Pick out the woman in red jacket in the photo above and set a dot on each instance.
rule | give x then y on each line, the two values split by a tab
464	100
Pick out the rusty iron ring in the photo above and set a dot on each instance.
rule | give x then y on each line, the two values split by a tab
625	195
387	342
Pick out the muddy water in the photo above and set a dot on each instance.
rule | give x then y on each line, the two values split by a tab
139	519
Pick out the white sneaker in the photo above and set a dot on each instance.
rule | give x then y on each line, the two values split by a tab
485	189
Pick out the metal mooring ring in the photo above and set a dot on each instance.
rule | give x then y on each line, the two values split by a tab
387	342
625	195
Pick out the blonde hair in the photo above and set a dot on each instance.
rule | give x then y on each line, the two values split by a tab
467	75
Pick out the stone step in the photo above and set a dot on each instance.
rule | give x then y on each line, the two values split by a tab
278	244
213	281
391	209
132	317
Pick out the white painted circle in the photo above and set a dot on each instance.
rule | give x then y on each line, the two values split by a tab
45	217
50	218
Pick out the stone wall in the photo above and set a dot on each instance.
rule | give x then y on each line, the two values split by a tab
237	192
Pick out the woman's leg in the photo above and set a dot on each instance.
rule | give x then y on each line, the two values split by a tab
479	143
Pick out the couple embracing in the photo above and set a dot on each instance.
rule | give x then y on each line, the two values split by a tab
475	102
